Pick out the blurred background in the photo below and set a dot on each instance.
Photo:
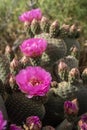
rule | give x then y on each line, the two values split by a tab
65	11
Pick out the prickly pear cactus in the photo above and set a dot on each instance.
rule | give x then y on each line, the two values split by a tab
56	49
82	101
19	107
68	90
62	66
70	35
4	68
71	61
54	109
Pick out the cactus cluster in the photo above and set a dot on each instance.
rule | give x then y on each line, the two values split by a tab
44	82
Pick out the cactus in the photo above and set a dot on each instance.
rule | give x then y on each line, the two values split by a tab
68	63
20	107
82	101
56	49
68	90
84	77
4	68
65	125
54	109
69	34
71	61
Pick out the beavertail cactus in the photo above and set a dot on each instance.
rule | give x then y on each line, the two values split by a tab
69	34
56	49
67	63
20	107
81	98
68	89
54	109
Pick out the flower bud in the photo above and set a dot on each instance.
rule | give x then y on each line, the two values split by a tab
65	27
71	107
14	63
33	123
62	66
74	73
73	28
8	49
12	80
82	124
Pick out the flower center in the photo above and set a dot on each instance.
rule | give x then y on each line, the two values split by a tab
35	81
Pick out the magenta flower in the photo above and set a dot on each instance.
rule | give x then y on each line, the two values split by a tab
70	107
82	124
30	15
33	47
33	123
34	81
14	127
84	118
2	122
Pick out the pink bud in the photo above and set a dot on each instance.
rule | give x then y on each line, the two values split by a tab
84	71
65	27
12	79
74	72
71	107
14	63
73	28
24	60
62	66
33	123
74	49
8	49
44	19
55	23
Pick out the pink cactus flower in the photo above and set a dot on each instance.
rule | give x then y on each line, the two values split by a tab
2	122
34	81
14	127
33	123
30	15
84	118
70	107
82	124
33	47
